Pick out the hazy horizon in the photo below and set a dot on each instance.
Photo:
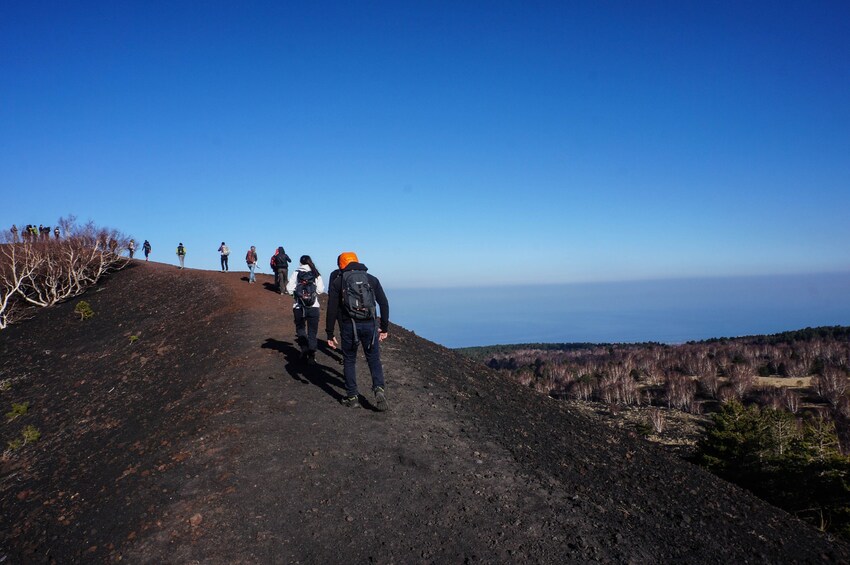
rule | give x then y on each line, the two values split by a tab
666	311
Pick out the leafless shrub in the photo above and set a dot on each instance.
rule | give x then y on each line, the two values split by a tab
582	389
680	391
710	383
14	270
43	272
629	391
657	419
741	379
791	400
727	394
832	385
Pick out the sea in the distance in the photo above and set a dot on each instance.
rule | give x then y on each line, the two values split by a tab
666	311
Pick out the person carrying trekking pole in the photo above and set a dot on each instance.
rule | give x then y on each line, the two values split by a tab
251	259
353	298
306	285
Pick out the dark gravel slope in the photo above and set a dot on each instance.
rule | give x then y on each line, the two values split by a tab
205	440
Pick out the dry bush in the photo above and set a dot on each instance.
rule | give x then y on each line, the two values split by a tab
43	272
831	386
582	389
741	379
680	391
791	400
657	420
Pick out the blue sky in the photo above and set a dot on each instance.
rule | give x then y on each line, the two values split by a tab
447	143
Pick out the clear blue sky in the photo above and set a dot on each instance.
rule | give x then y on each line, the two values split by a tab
448	143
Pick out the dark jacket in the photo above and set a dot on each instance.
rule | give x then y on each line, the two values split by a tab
335	308
280	260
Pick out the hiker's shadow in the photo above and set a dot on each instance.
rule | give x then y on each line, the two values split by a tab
329	380
272	287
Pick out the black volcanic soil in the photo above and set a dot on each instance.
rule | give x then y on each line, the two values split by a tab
204	440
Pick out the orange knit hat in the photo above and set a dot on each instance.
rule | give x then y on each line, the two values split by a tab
345	258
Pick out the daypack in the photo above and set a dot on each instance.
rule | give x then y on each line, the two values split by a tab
181	250
358	296
225	250
305	288
279	261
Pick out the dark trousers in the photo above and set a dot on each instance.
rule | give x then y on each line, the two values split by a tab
280	277
224	263
307	327
367	335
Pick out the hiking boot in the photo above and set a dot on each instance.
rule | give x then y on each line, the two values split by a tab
381	399
350	402
311	358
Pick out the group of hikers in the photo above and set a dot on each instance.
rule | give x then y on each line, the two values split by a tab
146	247
31	232
354	299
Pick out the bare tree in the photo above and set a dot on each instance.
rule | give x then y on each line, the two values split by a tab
832	385
14	270
741	379
43	272
791	400
680	391
657	419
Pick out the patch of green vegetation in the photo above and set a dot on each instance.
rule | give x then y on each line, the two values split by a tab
31	434
133	339
84	310
15	444
793	466
17	410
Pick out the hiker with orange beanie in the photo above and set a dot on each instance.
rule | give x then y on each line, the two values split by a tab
354	297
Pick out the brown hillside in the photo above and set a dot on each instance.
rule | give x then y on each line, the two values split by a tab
204	440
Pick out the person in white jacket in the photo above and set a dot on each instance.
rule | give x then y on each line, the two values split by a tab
305	285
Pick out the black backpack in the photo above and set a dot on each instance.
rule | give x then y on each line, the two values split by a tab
305	288
358	296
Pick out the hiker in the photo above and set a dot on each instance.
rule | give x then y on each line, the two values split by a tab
352	298
225	253
251	259
306	285
56	232
280	265
146	247
14	231
181	254
131	247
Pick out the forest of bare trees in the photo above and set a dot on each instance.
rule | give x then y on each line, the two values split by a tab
692	376
39	272
779	405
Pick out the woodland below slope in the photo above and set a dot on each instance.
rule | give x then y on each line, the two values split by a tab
177	425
